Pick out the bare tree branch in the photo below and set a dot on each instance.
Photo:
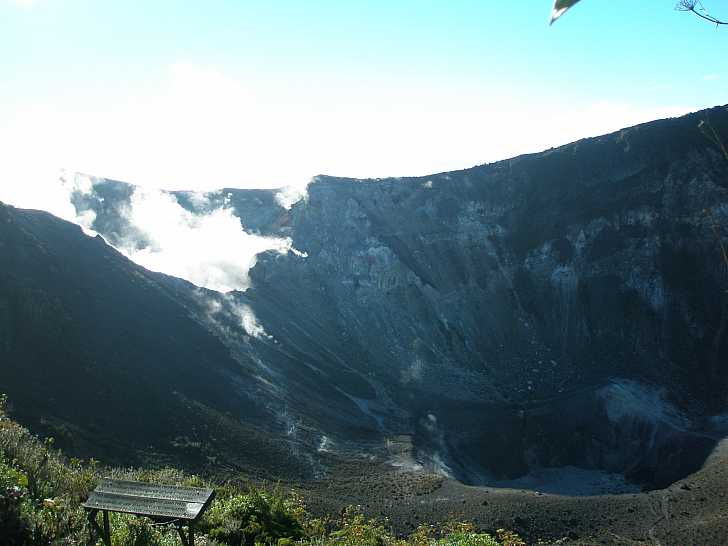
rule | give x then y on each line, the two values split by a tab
696	7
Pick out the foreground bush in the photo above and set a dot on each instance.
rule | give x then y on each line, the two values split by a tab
253	518
41	493
13	487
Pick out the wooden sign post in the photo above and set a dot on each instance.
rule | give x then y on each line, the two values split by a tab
165	504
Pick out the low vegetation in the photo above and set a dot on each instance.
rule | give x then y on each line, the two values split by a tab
41	494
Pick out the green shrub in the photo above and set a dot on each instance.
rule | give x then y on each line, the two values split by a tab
356	530
463	534
40	494
252	518
53	519
468	539
13	527
12	481
134	531
509	538
13	491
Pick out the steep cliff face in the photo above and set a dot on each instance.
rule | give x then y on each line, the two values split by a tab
460	304
561	308
598	256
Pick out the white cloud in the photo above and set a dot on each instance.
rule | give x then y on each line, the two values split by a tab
202	129
249	322
711	77
219	310
35	185
290	195
199	200
211	250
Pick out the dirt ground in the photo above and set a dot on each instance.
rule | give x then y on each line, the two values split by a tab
693	511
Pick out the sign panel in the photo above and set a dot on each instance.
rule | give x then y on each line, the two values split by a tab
149	499
139	489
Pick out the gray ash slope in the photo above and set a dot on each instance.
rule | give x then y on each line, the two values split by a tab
560	309
108	358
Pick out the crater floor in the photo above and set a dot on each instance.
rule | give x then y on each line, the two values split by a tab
690	511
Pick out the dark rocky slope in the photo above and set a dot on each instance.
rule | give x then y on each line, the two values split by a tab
561	309
106	356
558	308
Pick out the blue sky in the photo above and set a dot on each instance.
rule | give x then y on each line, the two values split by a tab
199	95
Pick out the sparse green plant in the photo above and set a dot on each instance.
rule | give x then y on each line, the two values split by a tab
13	489
468	539
41	492
356	530
509	538
252	518
457	533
